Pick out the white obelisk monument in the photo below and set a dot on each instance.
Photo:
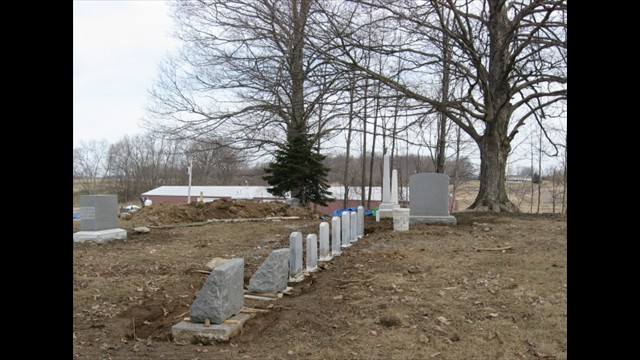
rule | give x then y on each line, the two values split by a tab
389	191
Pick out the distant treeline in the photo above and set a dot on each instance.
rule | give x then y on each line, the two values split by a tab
138	164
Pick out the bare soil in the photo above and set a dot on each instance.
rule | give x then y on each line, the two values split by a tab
432	292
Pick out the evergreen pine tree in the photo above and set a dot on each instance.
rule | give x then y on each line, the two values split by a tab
299	169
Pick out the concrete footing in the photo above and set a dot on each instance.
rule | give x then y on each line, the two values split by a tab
100	236
186	332
447	220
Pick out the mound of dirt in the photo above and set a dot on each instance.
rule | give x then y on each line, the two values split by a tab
165	213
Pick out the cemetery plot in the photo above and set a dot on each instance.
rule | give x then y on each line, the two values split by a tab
492	286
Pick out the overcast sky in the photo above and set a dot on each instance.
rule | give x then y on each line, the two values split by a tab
117	46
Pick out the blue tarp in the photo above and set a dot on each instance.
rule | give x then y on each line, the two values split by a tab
339	212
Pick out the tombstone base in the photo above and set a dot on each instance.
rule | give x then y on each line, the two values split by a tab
447	220
385	210
100	236
187	332
297	278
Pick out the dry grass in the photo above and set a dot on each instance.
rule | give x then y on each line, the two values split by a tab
519	194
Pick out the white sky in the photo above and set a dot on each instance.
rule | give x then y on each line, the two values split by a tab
117	46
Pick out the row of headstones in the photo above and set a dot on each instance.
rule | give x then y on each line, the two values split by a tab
222	294
347	229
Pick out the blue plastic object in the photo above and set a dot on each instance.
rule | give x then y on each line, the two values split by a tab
339	212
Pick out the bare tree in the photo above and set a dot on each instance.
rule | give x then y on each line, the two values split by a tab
557	187
245	73
351	115
508	59
456	170
214	162
539	171
143	162
90	164
442	120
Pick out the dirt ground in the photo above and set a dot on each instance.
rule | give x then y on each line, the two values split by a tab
432	292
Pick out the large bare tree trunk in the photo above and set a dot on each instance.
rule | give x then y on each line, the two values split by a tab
442	121
300	10
492	195
298	124
494	145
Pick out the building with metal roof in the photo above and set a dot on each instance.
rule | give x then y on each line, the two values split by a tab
181	195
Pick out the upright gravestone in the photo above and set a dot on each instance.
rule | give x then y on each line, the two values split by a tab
335	236
360	221
99	219
385	209
312	252
325	249
394	188
222	294
346	229
272	275
295	257
354	226
429	199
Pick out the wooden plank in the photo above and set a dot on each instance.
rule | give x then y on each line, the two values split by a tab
271	295
253	310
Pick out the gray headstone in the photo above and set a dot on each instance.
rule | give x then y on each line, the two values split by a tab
346	229
354	226
98	212
312	252
394	187
360	221
273	273
386	179
335	236
325	248
222	294
429	198
295	257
